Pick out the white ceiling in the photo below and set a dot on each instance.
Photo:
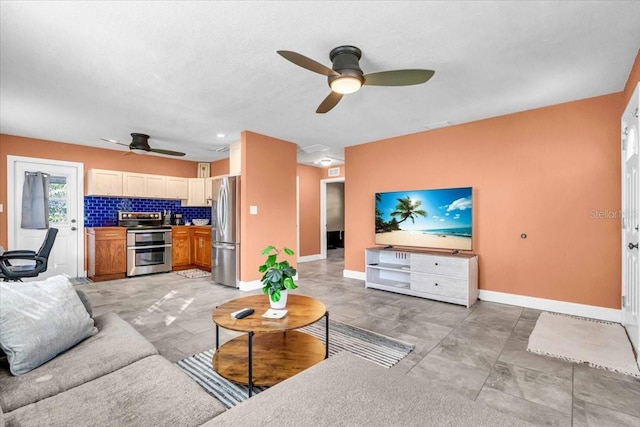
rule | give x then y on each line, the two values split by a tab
184	71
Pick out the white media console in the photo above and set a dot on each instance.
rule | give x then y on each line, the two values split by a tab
435	275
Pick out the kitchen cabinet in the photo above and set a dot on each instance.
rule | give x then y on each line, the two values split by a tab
202	191
201	242
210	193
192	191
196	193
143	185
181	247
177	188
235	159
107	253
101	182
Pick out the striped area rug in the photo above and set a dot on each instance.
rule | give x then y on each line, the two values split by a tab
376	348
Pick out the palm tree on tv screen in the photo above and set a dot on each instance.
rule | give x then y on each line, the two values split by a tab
408	209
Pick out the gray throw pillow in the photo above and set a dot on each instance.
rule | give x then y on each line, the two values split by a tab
39	320
85	301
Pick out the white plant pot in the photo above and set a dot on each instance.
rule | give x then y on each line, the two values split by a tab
279	305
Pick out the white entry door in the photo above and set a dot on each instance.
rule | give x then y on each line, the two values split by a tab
630	213
66	213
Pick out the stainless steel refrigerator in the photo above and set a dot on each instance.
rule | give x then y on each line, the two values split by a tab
225	233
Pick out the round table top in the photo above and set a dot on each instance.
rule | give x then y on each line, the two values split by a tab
301	311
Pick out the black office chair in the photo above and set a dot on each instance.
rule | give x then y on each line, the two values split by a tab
38	264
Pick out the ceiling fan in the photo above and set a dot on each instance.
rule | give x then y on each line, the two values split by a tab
140	144
345	75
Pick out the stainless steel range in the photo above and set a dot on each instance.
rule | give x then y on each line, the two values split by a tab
148	242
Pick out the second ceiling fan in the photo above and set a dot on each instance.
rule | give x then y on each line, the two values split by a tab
140	144
345	76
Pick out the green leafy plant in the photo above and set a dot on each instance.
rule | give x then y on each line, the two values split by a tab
278	275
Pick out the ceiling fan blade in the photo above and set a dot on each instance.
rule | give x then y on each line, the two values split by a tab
398	77
166	152
113	141
308	63
329	102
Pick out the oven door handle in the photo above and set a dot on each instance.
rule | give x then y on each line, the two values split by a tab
149	247
149	231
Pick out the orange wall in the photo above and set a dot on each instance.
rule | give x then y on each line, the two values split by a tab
632	82
90	156
268	181
220	167
309	194
542	172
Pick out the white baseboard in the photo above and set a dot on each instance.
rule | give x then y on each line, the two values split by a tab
250	286
352	274
308	258
256	284
590	311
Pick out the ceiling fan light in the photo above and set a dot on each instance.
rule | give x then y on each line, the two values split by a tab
346	85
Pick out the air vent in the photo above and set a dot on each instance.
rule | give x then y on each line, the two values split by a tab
333	172
314	148
220	148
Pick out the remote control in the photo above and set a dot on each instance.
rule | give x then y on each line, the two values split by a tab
241	314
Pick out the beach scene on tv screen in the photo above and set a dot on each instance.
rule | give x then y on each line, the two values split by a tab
439	218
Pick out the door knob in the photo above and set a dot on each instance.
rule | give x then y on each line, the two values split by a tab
631	246
73	229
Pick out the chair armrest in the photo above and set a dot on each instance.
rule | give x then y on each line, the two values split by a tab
22	252
26	255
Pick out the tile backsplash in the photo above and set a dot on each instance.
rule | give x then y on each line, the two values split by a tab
103	211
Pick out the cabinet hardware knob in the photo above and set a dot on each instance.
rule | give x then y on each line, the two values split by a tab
436	284
631	246
436	263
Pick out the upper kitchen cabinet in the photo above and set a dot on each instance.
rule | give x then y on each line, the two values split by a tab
102	182
196	192
235	159
143	185
177	188
202	191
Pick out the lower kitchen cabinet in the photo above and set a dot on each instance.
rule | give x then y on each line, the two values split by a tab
191	246
107	253
202	247
181	247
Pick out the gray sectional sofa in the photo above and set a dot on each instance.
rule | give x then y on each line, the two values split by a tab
117	378
114	378
110	375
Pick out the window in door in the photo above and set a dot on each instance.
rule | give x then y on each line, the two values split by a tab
58	201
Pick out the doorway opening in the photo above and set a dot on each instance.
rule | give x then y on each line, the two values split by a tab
332	224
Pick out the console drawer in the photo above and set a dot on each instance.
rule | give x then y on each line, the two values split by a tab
446	266
439	285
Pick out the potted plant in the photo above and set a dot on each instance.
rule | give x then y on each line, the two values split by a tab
277	279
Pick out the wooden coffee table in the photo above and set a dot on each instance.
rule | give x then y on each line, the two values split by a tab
271	350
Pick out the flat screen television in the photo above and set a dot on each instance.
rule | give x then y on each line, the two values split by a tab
437	219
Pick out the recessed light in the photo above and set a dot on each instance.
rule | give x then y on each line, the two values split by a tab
220	135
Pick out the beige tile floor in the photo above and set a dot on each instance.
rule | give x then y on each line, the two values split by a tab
478	352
